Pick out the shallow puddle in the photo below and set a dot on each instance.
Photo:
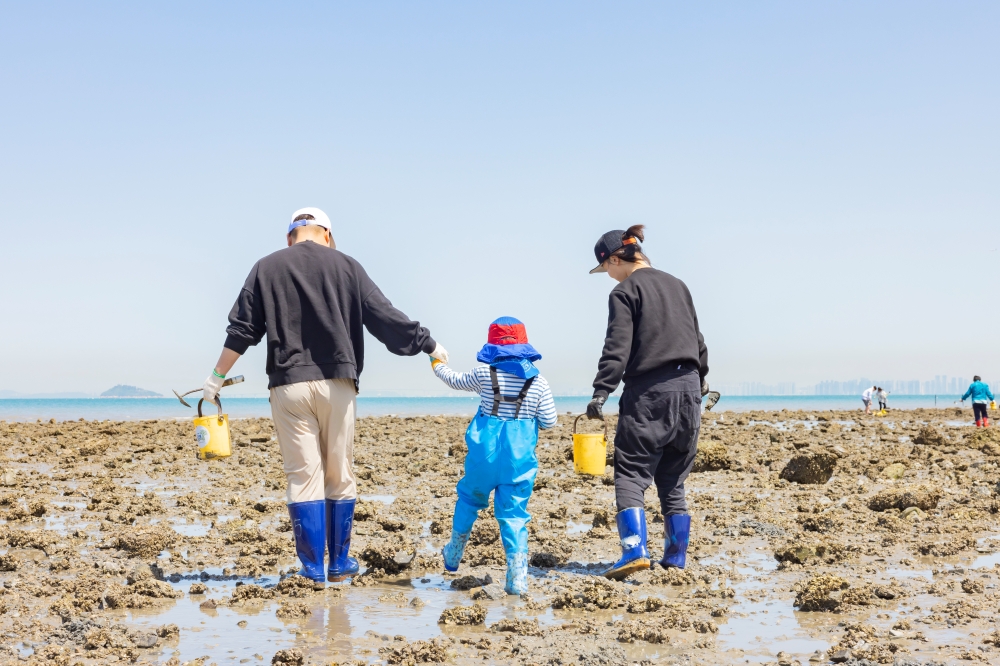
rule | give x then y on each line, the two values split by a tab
758	624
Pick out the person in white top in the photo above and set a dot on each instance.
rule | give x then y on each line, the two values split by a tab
866	398
883	399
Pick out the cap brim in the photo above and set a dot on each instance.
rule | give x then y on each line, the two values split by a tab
599	269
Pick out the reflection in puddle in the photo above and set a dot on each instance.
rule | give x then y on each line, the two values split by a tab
384	499
896	572
761	627
340	614
578	528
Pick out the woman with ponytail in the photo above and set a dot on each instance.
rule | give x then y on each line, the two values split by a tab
654	345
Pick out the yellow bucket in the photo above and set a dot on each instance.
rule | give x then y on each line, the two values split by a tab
993	404
212	433
590	450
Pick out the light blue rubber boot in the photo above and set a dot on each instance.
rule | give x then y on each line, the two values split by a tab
461	527
677	534
454	549
632	532
517	574
339	525
309	527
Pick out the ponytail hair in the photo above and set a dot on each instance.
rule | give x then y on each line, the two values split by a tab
631	251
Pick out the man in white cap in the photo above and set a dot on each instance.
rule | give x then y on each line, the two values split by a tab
313	303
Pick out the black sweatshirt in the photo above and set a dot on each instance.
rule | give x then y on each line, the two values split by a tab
312	302
651	325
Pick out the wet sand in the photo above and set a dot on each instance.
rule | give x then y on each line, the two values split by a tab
816	537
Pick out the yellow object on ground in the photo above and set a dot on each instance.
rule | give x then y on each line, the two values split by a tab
590	450
212	433
993	404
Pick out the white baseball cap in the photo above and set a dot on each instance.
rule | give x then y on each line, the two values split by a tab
306	216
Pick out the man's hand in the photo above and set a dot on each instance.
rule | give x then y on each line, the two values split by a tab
704	387
440	353
594	410
212	386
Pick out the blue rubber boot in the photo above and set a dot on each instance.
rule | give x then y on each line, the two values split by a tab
677	534
339	523
632	532
461	527
309	525
453	550
517	574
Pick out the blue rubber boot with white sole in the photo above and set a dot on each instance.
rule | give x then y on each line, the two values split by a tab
632	532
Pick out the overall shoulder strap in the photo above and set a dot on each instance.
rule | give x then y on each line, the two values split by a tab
522	395
496	391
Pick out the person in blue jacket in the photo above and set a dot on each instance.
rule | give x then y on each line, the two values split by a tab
981	396
515	402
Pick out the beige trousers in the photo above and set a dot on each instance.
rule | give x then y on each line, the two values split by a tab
315	425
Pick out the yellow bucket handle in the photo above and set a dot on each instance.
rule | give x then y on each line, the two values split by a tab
605	421
218	403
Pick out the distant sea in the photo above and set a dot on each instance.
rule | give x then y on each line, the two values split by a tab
132	409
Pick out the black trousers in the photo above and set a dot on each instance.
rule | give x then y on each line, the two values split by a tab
979	409
657	438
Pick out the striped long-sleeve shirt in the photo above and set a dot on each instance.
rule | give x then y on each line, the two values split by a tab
537	404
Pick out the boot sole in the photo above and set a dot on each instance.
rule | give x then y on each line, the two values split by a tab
338	579
628	569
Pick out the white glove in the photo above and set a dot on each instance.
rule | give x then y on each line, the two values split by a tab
212	386
440	353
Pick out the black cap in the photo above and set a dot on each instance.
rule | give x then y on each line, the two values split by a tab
608	244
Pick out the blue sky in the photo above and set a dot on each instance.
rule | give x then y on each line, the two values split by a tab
822	175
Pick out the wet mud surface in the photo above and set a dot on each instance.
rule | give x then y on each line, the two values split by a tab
817	537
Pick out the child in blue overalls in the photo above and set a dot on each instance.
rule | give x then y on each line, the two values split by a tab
516	401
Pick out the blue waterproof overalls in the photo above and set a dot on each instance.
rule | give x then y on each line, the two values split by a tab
501	458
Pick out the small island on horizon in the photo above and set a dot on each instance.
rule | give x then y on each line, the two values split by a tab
125	391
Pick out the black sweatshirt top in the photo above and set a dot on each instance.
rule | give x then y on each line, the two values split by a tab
652	325
312	302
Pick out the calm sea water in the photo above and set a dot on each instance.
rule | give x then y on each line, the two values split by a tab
169	408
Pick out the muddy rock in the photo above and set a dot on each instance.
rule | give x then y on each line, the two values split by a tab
293	610
493	592
291	657
518	627
929	436
711	457
419	652
814	467
464	615
815	594
894	471
923	497
591	595
469	582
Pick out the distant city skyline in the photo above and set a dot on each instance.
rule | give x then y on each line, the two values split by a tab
939	385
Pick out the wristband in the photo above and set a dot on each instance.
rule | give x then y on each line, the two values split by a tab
217	374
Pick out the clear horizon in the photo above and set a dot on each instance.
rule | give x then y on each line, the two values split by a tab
821	175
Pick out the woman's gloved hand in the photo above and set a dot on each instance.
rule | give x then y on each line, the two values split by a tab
594	409
440	353
212	386
704	387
